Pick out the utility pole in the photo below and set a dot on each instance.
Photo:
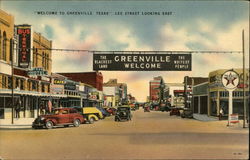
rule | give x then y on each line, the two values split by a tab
244	83
12	80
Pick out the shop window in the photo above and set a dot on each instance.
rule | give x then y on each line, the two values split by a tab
0	44
43	88
22	84
34	85
4	81
17	83
4	51
9	83
213	94
11	50
1	102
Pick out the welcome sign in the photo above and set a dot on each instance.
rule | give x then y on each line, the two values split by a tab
142	62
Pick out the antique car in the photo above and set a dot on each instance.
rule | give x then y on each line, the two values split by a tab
165	107
111	110
104	112
132	106
91	114
123	113
59	117
175	111
187	113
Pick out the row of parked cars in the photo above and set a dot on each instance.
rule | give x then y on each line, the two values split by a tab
72	116
166	107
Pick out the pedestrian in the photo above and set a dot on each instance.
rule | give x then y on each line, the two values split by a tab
49	106
18	108
42	109
221	113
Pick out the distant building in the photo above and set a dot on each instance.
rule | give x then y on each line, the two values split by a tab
189	82
175	93
117	90
157	89
94	79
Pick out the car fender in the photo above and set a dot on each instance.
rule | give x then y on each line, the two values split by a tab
93	116
53	120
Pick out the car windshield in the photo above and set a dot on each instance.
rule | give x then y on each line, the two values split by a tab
123	109
56	111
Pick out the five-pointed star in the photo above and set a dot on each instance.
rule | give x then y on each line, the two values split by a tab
230	79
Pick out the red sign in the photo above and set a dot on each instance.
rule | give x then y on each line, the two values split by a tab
24	38
241	85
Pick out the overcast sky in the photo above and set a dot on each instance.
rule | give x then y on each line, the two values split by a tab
193	25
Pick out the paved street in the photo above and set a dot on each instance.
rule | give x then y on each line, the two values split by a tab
154	135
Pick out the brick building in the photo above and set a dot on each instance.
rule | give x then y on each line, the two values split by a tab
154	88
94	79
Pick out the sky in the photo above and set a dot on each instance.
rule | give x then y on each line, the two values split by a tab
191	26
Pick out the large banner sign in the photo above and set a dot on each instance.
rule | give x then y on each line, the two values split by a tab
142	62
24	40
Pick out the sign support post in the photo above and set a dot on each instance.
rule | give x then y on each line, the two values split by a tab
230	80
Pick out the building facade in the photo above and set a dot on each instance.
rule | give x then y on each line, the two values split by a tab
157	89
116	90
175	93
94	79
31	82
218	95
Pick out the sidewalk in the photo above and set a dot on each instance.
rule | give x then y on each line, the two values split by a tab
18	123
204	117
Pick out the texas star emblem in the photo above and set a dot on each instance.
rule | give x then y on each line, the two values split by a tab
230	79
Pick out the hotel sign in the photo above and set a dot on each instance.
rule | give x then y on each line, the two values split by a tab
24	45
142	62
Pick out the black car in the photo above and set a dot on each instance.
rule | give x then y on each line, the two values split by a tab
187	113
165	107
123	113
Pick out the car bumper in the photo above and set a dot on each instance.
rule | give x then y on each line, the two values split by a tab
35	125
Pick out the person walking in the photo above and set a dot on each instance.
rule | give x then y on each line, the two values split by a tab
18	109
49	106
221	113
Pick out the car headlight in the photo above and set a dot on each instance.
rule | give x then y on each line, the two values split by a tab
42	118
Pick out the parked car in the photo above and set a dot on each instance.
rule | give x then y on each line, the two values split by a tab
175	111
91	114
187	113
111	110
123	113
165	107
104	112
59	117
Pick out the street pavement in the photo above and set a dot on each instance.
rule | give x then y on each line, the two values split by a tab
150	135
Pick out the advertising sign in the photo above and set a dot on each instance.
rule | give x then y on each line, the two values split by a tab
58	81
24	45
230	80
57	89
37	72
70	86
234	118
142	62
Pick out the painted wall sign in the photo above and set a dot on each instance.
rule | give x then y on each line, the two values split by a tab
142	62
24	45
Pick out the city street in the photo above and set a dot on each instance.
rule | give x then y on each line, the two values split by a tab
150	135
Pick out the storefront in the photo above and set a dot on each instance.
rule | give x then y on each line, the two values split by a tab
218	95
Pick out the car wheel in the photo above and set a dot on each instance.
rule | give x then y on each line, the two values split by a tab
91	120
76	123
49	125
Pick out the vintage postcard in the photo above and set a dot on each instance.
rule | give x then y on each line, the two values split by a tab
125	79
